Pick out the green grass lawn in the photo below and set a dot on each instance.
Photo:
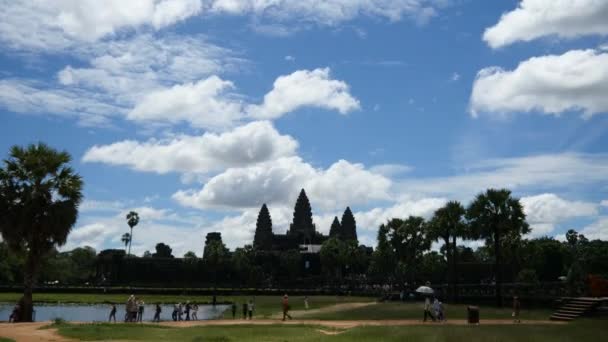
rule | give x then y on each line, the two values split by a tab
582	330
4	339
415	311
266	306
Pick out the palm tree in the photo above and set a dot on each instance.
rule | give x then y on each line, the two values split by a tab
448	223
132	221
39	198
499	218
126	239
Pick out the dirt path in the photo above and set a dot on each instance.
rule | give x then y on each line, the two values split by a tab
349	324
30	332
27	332
331	308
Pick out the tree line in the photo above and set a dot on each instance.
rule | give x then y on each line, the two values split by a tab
40	194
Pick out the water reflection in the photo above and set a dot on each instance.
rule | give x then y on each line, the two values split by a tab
101	312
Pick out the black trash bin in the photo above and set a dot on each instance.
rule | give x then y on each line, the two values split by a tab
473	314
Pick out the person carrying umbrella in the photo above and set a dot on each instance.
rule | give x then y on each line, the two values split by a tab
427	292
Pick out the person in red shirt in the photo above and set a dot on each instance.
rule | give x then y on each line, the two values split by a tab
286	307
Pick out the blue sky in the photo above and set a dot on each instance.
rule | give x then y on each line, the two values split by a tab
195	112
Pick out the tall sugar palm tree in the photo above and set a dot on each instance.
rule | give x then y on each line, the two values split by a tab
499	218
39	198
132	221
448	223
126	239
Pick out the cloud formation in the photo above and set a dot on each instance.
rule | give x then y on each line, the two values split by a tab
310	88
545	211
533	19
279	181
253	143
553	84
58	24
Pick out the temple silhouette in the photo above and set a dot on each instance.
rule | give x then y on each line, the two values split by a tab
302	233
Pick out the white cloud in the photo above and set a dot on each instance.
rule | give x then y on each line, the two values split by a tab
533	19
117	75
249	144
329	12
372	219
604	203
205	104
550	171
574	81
544	211
597	229
279	181
21	96
59	24
313	88
290	58
455	77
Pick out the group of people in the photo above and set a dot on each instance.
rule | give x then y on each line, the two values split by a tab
134	311
185	312
248	309
433	310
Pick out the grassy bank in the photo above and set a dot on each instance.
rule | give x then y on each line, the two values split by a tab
415	311
584	330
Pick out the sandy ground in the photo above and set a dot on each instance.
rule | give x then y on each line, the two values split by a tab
27	332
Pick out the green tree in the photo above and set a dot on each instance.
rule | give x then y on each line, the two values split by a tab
126	239
498	218
39	198
333	258
291	262
190	255
242	263
263	230
83	260
383	262
335	229
448	223
132	221
163	251
349	226
409	240
215	254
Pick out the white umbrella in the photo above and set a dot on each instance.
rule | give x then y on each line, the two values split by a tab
425	290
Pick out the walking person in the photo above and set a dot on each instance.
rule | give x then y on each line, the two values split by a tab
427	309
174	313
516	308
233	310
195	312
157	312
285	305
112	314
244	310
140	311
14	317
250	307
306	302
187	310
180	312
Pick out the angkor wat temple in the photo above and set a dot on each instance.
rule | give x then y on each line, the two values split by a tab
302	233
